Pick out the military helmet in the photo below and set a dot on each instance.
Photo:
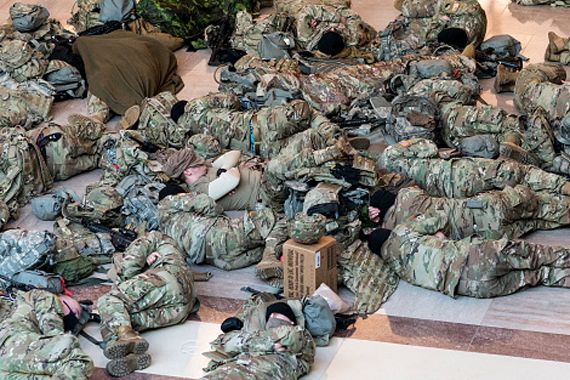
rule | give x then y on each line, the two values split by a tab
306	229
205	145
323	199
104	198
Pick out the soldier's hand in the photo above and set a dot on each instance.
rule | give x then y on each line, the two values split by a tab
440	235
374	214
278	347
152	258
70	305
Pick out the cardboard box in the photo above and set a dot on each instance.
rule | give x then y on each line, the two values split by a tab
305	267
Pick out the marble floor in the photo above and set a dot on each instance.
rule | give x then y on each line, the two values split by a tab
417	334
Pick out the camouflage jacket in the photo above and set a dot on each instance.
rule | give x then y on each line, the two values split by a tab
422	259
255	339
464	176
37	312
512	212
133	274
209	237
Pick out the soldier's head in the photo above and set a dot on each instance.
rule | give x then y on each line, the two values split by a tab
380	203
377	238
331	43
279	314
192	173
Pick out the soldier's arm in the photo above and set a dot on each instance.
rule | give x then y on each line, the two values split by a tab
414	148
48	310
227	160
133	261
224	184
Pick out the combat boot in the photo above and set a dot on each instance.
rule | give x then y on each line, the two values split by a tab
84	121
269	266
565	189
359	142
130	118
128	341
469	51
128	364
556	44
515	152
505	80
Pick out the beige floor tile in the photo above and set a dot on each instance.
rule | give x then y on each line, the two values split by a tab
374	360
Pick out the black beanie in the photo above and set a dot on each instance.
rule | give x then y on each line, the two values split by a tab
171	188
454	37
382	200
178	110
281	308
377	239
231	324
331	43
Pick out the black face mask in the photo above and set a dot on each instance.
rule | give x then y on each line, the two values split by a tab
70	321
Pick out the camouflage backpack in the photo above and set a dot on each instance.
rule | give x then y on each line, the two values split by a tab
21	250
28	17
66	79
23	171
86	16
102	205
21	61
155	122
140	202
68	263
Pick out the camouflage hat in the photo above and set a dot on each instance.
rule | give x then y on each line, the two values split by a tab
179	160
28	17
306	229
205	145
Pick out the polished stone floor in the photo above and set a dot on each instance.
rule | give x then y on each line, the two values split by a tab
417	334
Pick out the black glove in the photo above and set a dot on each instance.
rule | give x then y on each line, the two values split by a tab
346	172
231	324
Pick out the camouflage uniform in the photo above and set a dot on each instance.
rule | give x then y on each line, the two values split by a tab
34	345
421	22
513	211
249	354
533	133
262	132
465	176
471	266
209	237
541	85
325	16
146	297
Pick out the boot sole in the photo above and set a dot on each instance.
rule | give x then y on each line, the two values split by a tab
120	350
129	364
130	118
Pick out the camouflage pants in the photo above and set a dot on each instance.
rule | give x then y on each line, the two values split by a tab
28	356
256	366
500	267
142	303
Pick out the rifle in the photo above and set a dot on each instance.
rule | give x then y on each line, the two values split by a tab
121	238
355	122
146	146
35	279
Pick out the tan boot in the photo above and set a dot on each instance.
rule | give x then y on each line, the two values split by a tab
505	80
269	266
128	364
515	152
84	121
556	44
128	341
565	189
469	51
130	117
